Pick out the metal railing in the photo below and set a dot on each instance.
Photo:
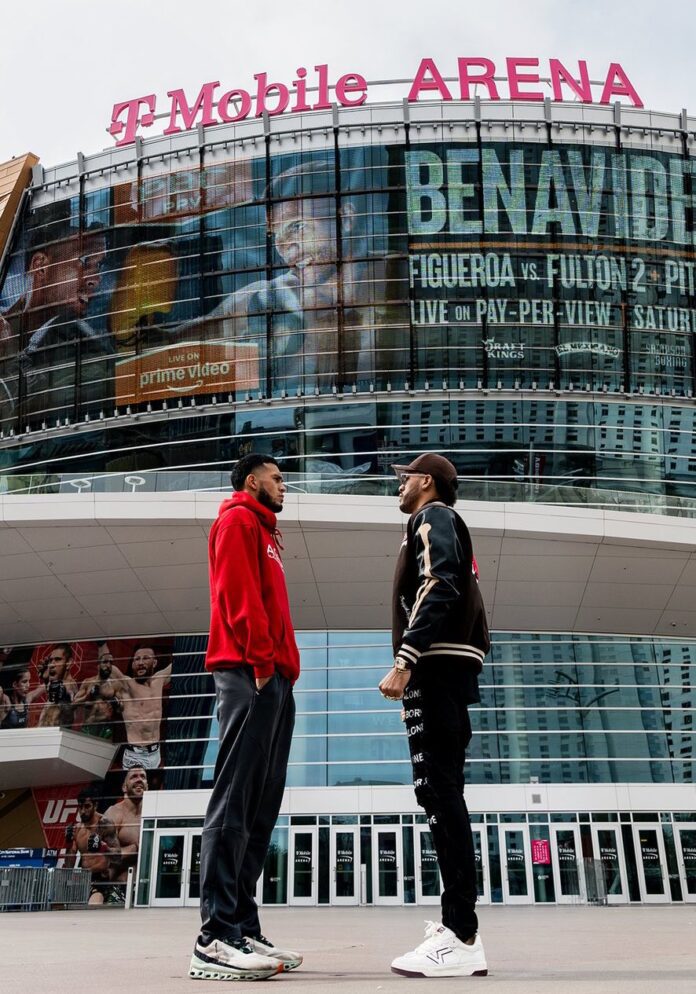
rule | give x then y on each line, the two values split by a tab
37	888
350	482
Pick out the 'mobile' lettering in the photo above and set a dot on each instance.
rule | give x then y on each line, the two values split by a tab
305	93
237	104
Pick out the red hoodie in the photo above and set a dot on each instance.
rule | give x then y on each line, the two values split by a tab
249	611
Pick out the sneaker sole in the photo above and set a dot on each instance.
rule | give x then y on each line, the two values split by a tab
206	971
290	964
439	973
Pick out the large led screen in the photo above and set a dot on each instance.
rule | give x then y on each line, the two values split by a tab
465	265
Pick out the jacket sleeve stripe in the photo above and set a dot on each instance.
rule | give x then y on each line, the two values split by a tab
422	594
453	649
430	580
409	653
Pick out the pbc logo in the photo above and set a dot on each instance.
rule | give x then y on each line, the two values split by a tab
272	553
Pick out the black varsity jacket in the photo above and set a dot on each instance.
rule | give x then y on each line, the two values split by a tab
437	608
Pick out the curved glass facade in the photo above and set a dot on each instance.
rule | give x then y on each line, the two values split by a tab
610	445
356	269
559	708
555	709
488	263
563	709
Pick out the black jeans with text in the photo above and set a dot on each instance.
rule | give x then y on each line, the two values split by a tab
255	735
439	730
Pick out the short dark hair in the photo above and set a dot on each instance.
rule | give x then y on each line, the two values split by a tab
67	650
247	464
143	645
10	674
139	647
89	793
447	492
136	766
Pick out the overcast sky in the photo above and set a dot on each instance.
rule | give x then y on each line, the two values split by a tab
64	63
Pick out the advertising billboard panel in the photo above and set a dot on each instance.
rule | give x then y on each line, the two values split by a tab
494	264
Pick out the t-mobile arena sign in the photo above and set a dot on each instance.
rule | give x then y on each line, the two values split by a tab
314	92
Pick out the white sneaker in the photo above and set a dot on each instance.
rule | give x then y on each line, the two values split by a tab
260	944
230	959
442	954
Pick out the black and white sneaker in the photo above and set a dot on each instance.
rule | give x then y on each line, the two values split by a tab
260	944
230	959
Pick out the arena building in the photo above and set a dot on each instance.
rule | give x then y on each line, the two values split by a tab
508	282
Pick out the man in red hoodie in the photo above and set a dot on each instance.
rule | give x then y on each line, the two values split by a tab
254	660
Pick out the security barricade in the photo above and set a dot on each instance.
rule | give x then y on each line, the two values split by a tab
24	888
70	886
30	888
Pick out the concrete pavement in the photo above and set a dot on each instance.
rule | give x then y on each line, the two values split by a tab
530	950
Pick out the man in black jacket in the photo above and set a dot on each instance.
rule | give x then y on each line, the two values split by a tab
440	638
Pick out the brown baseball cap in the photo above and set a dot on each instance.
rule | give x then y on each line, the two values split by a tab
432	464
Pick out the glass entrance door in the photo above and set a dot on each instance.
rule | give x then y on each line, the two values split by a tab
686	857
608	850
516	861
303	875
345	864
566	855
428	882
652	864
481	858
176	868
169	855
387	862
192	890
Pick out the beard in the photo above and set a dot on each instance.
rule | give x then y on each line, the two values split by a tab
265	498
406	504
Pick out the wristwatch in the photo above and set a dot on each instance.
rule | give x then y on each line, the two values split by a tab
400	664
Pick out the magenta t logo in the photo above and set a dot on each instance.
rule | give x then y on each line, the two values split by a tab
133	118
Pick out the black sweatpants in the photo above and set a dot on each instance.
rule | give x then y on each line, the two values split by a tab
439	730
255	735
